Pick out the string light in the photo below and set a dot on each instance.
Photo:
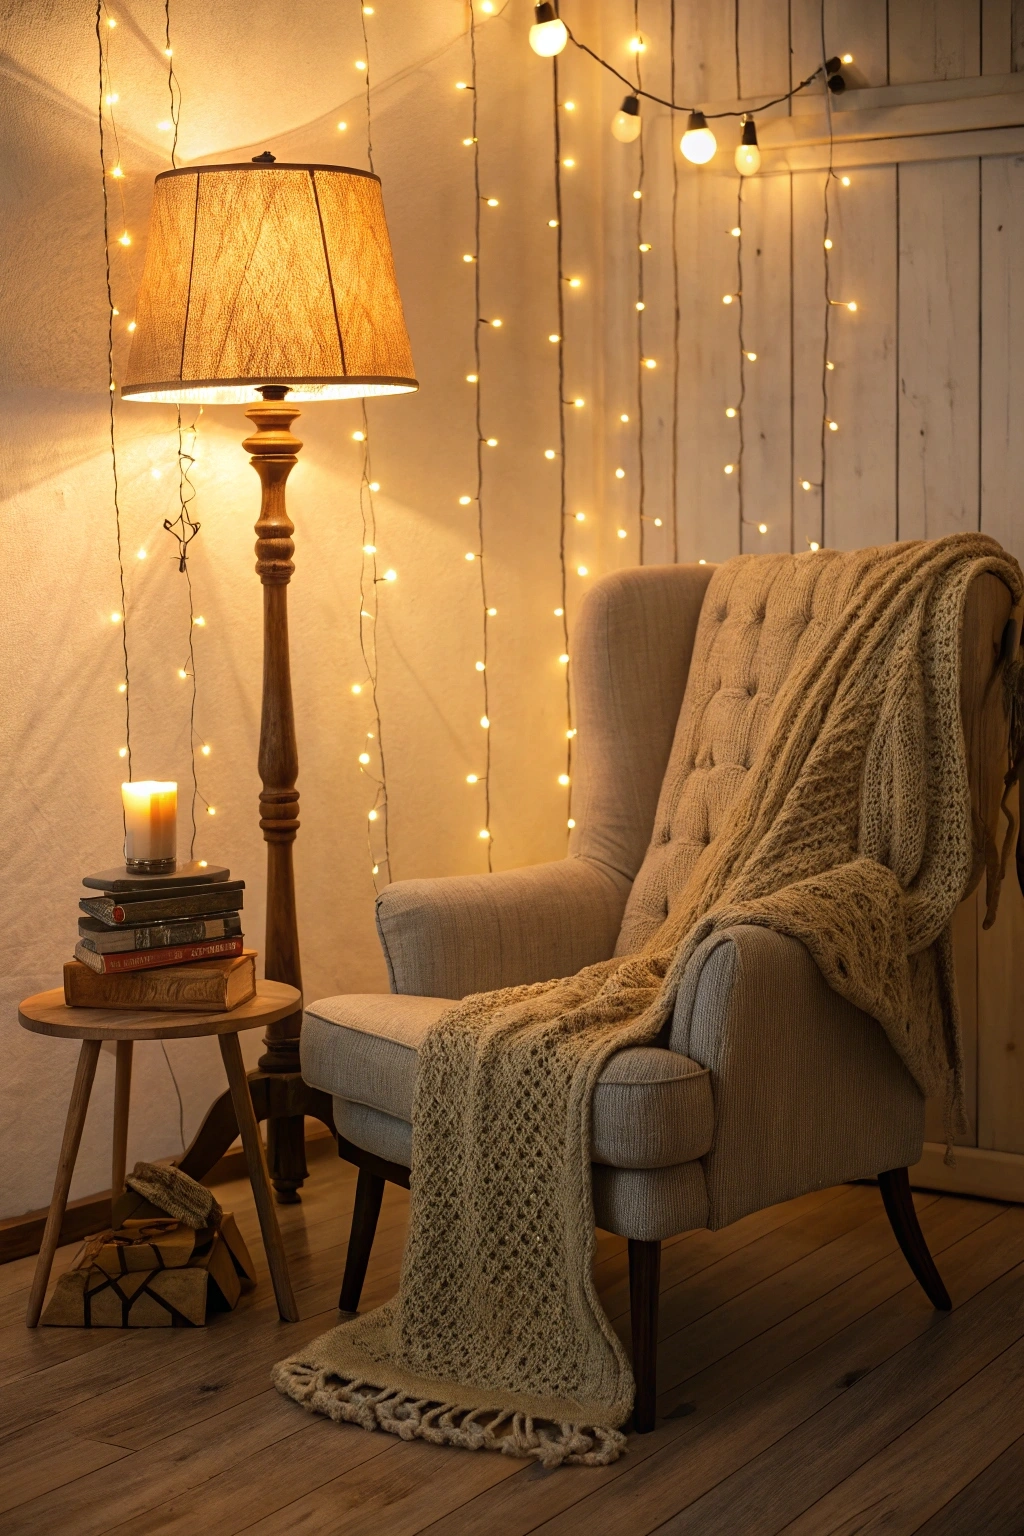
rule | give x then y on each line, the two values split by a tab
748	155
626	122
476	557
698	143
563	518
117	616
549	34
372	764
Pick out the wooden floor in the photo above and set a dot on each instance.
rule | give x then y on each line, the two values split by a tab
806	1387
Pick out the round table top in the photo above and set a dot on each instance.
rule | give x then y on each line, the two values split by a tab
47	1014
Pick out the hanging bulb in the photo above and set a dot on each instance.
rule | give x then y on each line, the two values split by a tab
626	122
548	35
698	143
748	156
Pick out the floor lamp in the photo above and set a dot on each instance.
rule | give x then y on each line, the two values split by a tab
270	284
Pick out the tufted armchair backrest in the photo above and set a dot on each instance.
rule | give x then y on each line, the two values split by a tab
650	656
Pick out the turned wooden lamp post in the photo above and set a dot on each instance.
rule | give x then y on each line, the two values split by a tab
272	284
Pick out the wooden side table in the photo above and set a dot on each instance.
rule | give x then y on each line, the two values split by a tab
47	1014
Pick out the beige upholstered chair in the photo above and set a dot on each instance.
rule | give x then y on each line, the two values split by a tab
767	1084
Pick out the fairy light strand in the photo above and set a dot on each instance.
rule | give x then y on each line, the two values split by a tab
173	88
826	247
378	828
640	367
677	313
486	834
103	76
562	486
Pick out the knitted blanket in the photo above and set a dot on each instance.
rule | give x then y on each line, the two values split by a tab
852	833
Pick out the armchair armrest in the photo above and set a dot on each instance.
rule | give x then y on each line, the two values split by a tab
472	933
808	1091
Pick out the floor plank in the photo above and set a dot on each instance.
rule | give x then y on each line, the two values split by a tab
804	1380
991	1503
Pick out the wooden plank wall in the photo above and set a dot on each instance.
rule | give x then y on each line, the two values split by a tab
927	387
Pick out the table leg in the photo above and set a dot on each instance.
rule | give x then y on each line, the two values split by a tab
256	1159
87	1060
122	1095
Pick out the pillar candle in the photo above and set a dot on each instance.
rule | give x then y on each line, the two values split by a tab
150	822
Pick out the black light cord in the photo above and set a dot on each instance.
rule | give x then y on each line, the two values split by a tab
562	486
676	106
478	323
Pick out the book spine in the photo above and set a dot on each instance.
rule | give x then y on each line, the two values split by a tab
152	959
159	935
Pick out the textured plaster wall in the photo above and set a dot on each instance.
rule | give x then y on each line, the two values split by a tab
251	83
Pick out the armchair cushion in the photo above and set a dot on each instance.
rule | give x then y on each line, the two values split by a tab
652	1108
459	934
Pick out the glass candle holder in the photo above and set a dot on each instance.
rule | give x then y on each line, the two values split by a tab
150	826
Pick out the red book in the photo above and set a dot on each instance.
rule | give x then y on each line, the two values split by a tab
150	959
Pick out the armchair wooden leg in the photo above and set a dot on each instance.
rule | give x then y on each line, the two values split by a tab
644	1283
369	1193
899	1207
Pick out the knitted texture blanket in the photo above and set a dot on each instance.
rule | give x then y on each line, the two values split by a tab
852	833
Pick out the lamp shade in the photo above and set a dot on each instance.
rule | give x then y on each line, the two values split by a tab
262	274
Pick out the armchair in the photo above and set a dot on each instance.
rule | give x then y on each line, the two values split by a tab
766	1083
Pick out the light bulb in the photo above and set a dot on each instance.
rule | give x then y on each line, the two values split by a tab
570	106
205	751
805	485
469	258
364	758
622	533
815	546
570	733
727	298
751	357
559	612
575	282
847	58
620	474
649	362
342	127
374	485
360	63
390	575
492	613
730	411
122	751
570	823
638	43
376	869
496	324
549	453
116	171
748	156
115	618
728	468
484	834
492	442
828	245
369	549
372	816
845	180
548	35
563	658
485	722
554	337
211	810
852	307
736	231
698	143
182	673
624	416
470	555
359	437
833	426
472	778
492	202
762	527
579	403
472	378
563	779
124	239
640	304
111	22
582	570
657	522
569	163
122	687
357	687
462	85
480	666
626	123
581	517
644	246
464	501
140	554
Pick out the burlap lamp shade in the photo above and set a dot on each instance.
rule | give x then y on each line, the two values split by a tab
265	274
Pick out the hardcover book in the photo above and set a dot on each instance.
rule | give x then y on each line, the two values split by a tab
103	940
203	986
116	910
121	879
152	959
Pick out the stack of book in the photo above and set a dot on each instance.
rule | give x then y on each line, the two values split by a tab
169	941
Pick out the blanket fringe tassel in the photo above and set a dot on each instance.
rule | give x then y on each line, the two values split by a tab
473	1429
